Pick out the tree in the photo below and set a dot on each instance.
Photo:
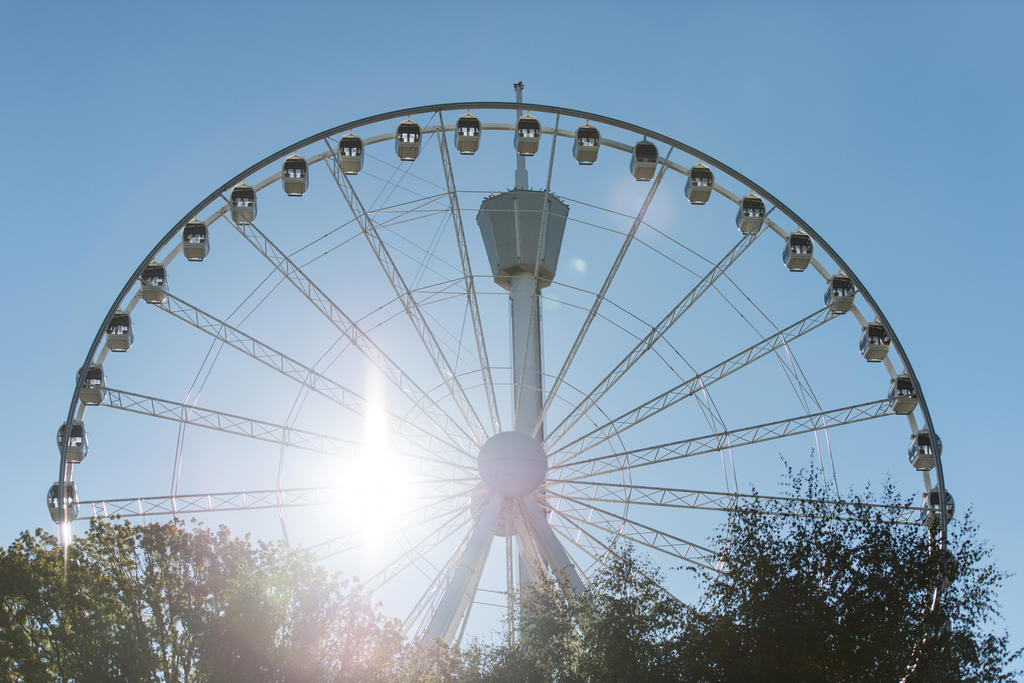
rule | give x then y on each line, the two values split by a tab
170	602
809	594
623	628
843	594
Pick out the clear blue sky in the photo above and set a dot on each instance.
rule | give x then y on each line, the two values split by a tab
894	129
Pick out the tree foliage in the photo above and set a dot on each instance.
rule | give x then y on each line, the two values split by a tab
168	602
809	594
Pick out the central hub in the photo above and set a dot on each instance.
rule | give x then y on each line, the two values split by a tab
512	464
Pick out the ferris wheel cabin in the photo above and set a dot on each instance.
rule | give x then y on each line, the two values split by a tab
839	293
78	443
153	283
92	389
350	154
699	183
931	502
798	251
924	447
586	144
195	240
902	394
407	140
750	216
243	204
644	161
120	335
69	501
467	134
874	342
527	135
295	176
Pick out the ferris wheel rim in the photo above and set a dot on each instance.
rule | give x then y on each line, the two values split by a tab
506	106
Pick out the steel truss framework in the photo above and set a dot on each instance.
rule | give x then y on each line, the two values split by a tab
593	492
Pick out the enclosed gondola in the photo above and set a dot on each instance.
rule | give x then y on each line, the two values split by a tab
527	135
586	144
68	501
798	251
78	442
153	283
874	342
751	213
407	140
195	240
92	388
930	501
295	176
924	448
902	394
467	134
644	161
243	204
120	334
839	293
350	154
699	184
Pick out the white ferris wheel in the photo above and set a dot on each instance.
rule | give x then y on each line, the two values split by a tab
453	347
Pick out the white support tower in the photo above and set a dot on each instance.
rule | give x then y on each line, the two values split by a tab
522	232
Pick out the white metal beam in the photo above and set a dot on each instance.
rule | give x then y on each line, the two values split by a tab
652	337
409	303
351	330
685	389
710	443
599	299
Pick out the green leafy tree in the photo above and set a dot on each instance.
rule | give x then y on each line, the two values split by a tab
843	594
623	628
170	602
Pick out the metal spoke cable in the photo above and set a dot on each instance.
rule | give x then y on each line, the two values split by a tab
412	309
600	296
659	330
348	327
711	443
686	389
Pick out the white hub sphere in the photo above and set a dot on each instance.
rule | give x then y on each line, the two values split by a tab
512	464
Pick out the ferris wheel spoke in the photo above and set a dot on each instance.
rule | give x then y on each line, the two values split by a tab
240	425
409	303
467	274
652	337
731	438
634	532
229	423
411	555
303	374
356	538
599	552
599	299
221	501
696	383
350	329
336	545
725	501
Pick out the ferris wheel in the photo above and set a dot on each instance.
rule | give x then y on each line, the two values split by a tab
455	347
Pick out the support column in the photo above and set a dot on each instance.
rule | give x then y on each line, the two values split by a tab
461	587
527	373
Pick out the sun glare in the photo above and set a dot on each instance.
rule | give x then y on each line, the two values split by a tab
378	485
